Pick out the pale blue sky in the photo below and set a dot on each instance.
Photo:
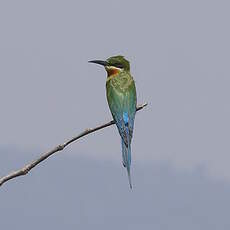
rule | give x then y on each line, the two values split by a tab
179	53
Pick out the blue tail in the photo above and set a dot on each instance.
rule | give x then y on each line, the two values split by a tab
126	155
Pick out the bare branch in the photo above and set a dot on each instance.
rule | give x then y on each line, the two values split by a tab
23	171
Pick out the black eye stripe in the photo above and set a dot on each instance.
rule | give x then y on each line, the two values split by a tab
118	65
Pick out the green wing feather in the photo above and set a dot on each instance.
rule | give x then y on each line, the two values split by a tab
121	96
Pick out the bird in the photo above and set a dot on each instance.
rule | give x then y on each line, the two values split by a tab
122	101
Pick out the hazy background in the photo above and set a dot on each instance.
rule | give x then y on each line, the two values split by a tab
179	53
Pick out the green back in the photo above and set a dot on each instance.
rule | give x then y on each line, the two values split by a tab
121	97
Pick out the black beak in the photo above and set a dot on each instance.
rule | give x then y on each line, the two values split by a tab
99	62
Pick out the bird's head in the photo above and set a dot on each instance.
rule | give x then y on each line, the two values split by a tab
114	65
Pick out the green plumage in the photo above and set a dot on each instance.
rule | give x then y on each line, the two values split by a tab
122	100
121	96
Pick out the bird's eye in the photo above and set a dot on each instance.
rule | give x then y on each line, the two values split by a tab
118	65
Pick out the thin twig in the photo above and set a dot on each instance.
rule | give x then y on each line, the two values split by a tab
23	171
